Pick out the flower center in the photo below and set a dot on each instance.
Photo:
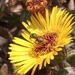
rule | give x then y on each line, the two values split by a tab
36	5
44	44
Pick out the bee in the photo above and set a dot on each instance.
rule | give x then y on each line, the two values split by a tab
39	39
33	35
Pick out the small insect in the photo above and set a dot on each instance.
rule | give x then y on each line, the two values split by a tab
39	39
33	35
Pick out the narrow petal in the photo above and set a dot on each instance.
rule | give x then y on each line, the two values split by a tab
21	42
51	57
47	19
34	68
27	66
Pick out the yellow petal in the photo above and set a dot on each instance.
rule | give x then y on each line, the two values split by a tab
34	68
48	59
15	47
51	57
26	67
35	22
21	42
47	19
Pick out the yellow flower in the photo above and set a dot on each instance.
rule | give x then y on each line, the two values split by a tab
43	37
